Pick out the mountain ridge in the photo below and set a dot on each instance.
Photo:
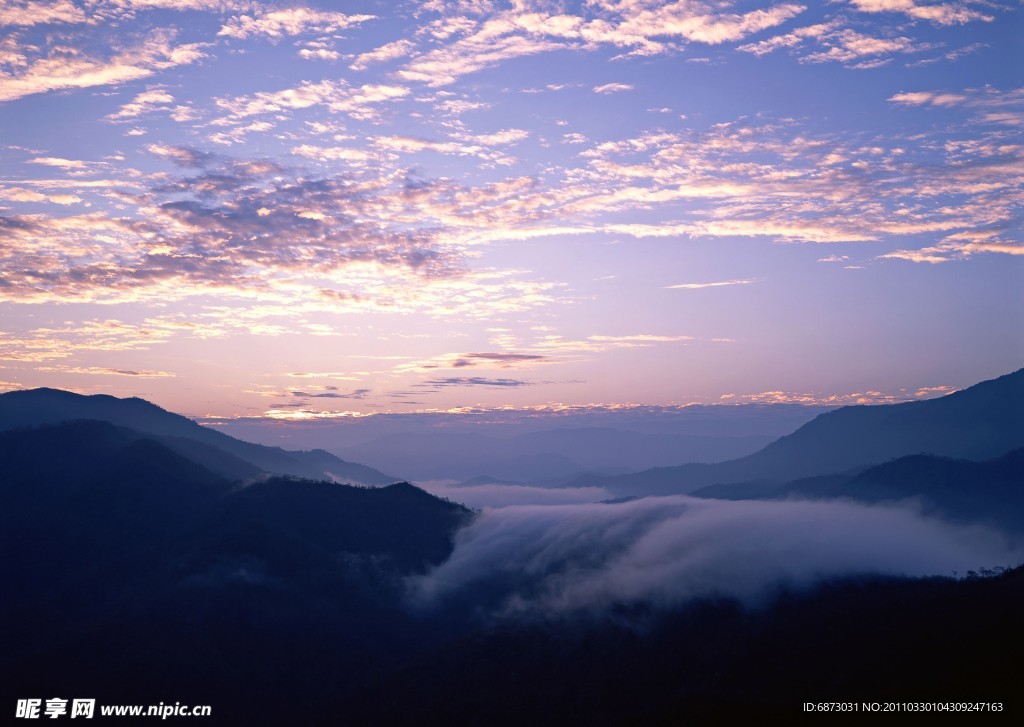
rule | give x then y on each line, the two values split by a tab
960	490
33	407
980	422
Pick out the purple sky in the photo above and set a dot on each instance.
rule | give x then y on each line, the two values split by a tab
300	210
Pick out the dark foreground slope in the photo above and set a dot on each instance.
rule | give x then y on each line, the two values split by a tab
980	422
230	457
868	640
131	573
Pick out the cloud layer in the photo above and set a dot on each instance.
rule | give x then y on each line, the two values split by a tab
395	194
664	551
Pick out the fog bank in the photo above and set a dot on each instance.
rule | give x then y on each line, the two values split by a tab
664	551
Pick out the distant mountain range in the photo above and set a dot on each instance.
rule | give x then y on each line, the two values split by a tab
978	423
961	490
226	456
551	456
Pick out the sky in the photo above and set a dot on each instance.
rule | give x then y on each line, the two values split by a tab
316	210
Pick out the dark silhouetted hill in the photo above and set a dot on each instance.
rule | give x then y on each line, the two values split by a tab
960	490
226	455
980	422
129	569
713	662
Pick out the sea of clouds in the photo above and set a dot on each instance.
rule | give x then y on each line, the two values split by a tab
550	559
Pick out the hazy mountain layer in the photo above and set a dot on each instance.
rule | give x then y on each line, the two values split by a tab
551	455
980	422
231	457
960	490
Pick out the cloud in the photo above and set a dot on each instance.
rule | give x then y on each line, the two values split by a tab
59	162
185	157
128	8
309	415
332	153
363	233
336	96
699	22
144	103
238	134
500	138
474	381
470	360
40	12
277	24
387	52
928	98
20	194
761	177
487	48
357	394
850	45
927	391
455	107
458	7
251	230
637	28
63	69
664	551
792	39
613	88
640	339
47	344
818	398
696	286
841	44
320	54
953	55
319	375
989	99
955	13
410	145
548	348
959	246
102	371
500	358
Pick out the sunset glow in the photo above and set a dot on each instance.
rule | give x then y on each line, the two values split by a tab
307	211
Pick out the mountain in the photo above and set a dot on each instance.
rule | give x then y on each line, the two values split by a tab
980	422
961	490
716	663
114	494
109	493
282	587
542	457
133	574
230	457
606	447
